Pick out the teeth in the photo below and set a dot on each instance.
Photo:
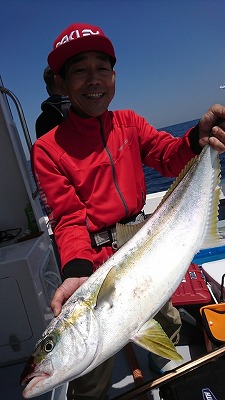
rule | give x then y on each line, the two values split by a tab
94	95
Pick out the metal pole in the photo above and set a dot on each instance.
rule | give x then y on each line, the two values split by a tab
21	115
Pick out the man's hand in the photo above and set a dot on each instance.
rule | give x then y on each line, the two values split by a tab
210	131
64	291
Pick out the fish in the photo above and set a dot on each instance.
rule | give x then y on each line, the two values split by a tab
118	302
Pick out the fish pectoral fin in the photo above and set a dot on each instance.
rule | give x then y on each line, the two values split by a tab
152	337
107	289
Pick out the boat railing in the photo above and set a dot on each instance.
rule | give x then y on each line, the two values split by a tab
23	122
20	114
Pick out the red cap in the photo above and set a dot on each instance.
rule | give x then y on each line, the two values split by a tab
76	39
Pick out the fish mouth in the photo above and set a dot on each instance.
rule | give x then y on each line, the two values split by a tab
32	375
33	378
32	382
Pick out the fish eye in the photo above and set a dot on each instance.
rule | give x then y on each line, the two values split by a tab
48	345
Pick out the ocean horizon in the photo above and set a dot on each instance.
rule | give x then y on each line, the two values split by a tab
155	182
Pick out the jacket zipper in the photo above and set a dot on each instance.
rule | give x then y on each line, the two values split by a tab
112	166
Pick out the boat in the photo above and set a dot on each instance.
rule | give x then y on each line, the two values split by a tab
29	276
29	270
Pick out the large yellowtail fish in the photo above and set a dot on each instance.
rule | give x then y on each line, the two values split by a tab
117	303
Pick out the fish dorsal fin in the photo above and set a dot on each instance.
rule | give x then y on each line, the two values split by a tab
176	182
126	232
152	337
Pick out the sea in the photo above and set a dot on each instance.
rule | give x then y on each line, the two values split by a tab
155	182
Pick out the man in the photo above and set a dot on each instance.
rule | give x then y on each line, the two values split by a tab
89	168
54	109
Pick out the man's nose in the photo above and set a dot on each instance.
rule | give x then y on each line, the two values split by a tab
93	77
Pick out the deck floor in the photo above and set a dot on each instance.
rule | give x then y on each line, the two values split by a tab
191	346
122	376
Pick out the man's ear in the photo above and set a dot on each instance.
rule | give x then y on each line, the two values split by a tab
61	84
114	75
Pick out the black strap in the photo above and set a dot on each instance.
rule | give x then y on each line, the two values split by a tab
132	218
107	237
221	288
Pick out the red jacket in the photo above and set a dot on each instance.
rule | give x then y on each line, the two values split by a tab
89	173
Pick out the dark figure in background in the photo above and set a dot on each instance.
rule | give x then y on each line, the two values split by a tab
54	109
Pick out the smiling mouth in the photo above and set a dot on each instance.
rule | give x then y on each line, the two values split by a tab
94	95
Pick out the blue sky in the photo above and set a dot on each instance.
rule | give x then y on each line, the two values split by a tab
171	53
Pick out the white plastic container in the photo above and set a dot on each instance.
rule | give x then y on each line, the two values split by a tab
213	272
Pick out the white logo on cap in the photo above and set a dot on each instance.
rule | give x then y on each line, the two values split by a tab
75	35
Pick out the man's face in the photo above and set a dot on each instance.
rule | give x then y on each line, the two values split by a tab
90	83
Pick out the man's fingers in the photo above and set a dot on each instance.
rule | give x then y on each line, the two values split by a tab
58	300
64	291
217	144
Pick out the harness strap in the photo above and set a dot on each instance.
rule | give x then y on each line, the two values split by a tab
108	236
